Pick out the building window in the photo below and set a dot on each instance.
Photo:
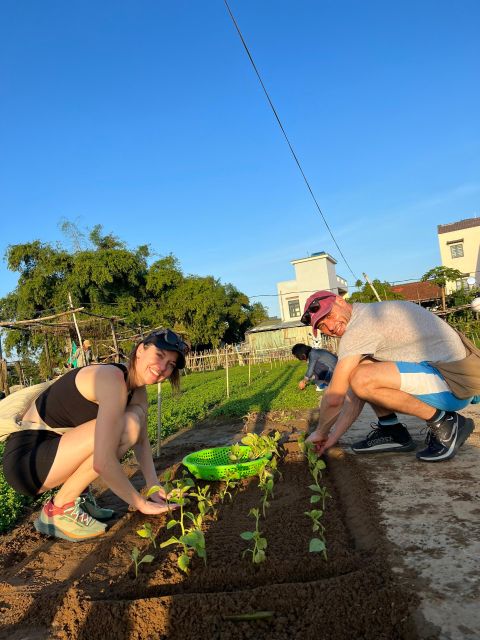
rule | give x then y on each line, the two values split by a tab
294	308
456	250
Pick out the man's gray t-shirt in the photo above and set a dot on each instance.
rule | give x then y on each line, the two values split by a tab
396	331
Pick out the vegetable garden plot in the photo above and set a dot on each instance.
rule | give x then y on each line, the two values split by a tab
350	595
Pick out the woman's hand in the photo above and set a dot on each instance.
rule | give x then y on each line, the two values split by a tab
154	508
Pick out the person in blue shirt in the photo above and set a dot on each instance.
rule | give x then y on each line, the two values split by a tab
321	364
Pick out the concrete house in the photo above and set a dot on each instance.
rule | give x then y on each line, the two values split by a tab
460	249
311	274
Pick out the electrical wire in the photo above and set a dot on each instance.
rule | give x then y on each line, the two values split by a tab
286	137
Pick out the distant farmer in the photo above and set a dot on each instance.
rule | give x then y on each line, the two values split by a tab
321	364
391	355
102	411
87	352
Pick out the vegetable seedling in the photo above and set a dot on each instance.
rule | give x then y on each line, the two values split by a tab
261	446
146	532
230	482
235	454
138	561
266	482
259	542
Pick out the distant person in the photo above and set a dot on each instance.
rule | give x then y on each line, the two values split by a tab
87	352
401	358
321	364
101	410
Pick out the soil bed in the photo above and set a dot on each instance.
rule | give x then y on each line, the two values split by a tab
353	594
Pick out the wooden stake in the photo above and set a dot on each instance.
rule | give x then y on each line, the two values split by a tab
80	346
249	369
226	370
159	417
115	343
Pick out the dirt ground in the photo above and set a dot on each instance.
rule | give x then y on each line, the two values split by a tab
403	556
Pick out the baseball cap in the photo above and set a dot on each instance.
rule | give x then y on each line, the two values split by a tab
317	306
169	341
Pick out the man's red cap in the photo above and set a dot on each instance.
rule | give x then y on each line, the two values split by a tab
326	304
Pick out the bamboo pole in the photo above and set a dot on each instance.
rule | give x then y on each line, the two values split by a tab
373	288
159	417
115	343
249	369
4	377
226	371
80	346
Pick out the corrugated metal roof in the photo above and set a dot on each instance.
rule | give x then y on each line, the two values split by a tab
418	291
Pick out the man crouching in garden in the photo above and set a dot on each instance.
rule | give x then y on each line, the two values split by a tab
385	357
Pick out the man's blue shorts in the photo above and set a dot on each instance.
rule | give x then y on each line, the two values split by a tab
426	383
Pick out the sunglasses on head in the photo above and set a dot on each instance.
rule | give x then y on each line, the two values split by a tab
313	307
170	337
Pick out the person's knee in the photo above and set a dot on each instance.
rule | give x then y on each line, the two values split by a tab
362	381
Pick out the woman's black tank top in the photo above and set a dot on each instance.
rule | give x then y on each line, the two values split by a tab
62	404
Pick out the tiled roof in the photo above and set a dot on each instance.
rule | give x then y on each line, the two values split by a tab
418	291
275	323
457	226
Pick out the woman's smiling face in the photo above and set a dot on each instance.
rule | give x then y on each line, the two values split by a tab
153	364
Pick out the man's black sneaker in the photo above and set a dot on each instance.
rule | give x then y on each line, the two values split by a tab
385	439
443	440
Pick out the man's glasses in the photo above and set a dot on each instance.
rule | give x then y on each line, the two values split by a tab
313	307
171	338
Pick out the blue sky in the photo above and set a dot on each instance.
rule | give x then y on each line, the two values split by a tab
146	117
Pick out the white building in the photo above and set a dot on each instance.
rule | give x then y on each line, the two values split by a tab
311	274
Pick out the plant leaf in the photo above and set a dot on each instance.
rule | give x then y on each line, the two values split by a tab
247	535
316	545
183	562
168	542
155	489
171	523
143	533
315	499
147	558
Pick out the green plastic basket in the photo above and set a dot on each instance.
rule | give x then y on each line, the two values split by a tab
214	464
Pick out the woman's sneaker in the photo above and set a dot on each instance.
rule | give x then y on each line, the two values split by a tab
69	522
444	439
89	504
392	438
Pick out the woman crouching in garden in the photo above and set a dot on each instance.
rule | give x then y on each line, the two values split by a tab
104	408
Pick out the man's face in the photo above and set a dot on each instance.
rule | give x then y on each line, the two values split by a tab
335	322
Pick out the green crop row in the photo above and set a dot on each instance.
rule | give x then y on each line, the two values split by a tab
203	394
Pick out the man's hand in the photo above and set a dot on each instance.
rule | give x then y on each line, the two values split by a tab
302	384
319	442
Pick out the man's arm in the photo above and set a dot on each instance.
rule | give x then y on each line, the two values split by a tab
333	400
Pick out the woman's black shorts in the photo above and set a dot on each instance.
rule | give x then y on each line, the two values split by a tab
27	459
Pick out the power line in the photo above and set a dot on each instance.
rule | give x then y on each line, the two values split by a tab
286	137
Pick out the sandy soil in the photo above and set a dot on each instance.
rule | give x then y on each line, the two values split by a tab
403	543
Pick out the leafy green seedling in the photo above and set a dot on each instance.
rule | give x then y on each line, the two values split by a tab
315	515
259	542
191	538
230	481
266	482
138	561
319	494
235	454
261	446
146	532
204	500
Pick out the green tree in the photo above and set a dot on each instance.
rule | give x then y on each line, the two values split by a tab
107	277
366	294
440	276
